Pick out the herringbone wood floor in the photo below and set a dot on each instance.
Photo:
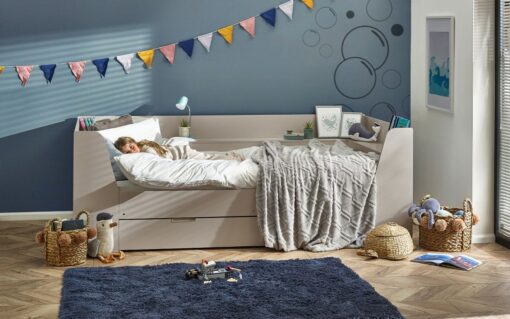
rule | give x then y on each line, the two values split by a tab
30	289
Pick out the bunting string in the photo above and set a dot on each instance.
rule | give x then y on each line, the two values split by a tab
168	51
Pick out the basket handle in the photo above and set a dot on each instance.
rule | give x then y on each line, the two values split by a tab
50	222
468	205
86	213
424	198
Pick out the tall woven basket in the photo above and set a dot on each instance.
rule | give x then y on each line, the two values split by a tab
449	240
57	255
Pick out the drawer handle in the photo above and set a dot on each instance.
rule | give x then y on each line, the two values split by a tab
182	220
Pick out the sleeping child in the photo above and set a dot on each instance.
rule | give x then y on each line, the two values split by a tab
128	145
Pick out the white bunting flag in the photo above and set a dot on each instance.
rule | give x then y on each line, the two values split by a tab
287	8
125	61
206	40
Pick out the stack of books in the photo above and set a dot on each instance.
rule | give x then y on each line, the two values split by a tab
399	121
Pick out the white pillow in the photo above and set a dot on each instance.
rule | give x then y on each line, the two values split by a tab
145	130
174	141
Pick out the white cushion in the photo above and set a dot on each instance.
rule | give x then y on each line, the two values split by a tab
145	130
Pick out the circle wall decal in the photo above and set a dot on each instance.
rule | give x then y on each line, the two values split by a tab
326	50
326	17
397	30
379	10
349	14
383	111
311	38
355	78
368	43
391	79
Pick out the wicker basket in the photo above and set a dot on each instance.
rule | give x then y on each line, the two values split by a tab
449	240
389	241
71	255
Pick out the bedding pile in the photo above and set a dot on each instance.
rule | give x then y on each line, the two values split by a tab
314	197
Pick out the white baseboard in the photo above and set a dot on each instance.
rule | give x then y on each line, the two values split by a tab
484	238
34	215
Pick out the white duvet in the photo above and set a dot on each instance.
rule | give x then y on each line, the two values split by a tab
151	171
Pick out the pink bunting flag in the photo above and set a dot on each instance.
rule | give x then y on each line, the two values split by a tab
77	69
249	26
168	52
24	73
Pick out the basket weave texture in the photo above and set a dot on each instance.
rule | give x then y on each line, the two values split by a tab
449	240
390	241
71	255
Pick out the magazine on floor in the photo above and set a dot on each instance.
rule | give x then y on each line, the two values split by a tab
460	262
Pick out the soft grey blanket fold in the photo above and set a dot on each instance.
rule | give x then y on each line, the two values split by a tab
314	197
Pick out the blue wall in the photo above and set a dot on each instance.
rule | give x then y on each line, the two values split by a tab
350	52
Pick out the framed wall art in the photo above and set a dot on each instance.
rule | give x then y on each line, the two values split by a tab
328	120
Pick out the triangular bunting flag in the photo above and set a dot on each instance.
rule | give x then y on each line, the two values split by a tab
227	33
206	40
168	52
249	26
77	69
147	56
2	68
187	46
101	65
269	16
24	73
287	8
48	71
308	3
126	61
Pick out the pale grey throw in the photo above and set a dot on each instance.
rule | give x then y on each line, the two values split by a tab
314	197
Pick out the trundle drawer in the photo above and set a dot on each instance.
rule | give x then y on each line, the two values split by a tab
189	233
190	203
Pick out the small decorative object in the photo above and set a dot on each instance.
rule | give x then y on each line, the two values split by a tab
441	225
440	57
65	248
293	136
102	246
208	271
443	213
308	130
186	126
359	133
399	122
329	120
289	132
389	241
348	120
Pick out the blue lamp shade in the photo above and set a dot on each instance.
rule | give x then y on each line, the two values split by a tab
182	103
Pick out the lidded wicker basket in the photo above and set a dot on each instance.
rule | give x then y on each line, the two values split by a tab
449	240
57	255
389	241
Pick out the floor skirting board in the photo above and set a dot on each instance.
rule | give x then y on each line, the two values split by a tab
35	215
484	238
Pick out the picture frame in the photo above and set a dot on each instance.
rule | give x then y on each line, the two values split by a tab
348	119
329	120
440	63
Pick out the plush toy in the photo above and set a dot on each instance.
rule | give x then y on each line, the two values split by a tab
360	133
429	206
443	213
102	246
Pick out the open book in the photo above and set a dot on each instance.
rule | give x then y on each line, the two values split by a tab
461	262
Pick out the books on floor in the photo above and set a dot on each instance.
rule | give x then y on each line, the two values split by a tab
460	262
399	121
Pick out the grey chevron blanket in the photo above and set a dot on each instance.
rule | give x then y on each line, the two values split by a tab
314	197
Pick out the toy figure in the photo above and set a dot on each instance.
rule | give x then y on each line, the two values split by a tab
208	271
102	246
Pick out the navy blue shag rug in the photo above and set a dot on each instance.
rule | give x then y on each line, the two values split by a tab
315	288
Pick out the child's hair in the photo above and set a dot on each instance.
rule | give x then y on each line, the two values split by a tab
121	141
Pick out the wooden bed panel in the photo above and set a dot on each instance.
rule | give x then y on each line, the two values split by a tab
189	203
189	233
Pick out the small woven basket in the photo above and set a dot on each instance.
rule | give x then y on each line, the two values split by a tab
449	240
71	255
389	241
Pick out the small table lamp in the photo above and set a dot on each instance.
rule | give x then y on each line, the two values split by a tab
181	105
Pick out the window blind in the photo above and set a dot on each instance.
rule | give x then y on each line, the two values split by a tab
502	220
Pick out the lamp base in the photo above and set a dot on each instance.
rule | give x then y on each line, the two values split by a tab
184	131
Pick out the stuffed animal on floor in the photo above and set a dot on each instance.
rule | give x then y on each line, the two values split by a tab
102	246
360	133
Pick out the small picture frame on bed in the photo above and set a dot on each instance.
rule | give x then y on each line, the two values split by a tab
349	119
329	120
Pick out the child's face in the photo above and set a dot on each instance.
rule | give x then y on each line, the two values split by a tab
130	148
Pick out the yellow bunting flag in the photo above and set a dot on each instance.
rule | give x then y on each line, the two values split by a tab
308	3
146	57
2	68
227	33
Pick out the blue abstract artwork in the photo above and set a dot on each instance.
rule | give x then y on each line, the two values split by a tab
439	64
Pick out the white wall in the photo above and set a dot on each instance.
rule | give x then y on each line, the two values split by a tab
452	152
